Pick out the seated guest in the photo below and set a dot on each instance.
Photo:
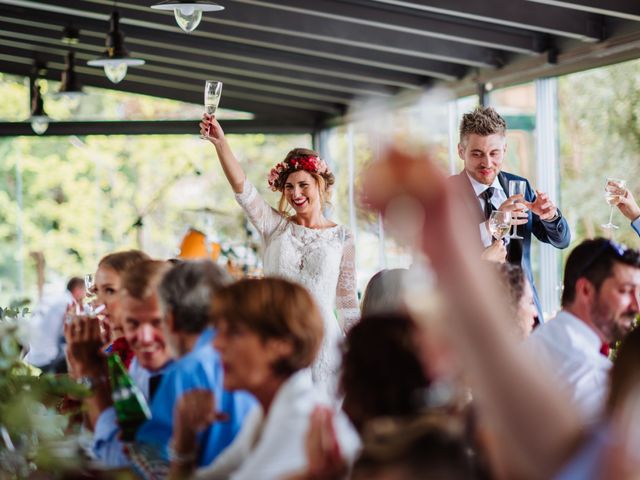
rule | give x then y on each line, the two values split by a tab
599	306
520	300
381	370
384	292
268	334
142	323
108	280
185	298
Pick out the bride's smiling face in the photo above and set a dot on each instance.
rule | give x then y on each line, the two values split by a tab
302	192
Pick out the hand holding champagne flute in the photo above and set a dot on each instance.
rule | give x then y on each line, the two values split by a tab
613	189
212	93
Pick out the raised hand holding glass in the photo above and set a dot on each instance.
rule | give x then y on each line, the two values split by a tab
612	192
212	93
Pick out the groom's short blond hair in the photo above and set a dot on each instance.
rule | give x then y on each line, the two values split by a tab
482	121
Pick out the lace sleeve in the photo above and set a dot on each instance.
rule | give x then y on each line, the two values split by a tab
260	214
346	298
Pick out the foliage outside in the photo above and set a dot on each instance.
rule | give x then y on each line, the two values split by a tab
85	197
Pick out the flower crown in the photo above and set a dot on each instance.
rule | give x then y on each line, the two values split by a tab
308	163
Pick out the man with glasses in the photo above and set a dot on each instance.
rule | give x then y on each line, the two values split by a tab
599	306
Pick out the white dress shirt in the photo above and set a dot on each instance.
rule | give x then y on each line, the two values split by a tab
572	351
498	198
273	447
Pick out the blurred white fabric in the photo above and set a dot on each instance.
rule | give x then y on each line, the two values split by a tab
45	329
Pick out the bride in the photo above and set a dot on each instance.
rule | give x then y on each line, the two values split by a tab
302	246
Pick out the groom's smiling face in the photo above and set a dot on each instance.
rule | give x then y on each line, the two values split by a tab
483	155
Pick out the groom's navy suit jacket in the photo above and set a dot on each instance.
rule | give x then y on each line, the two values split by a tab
555	233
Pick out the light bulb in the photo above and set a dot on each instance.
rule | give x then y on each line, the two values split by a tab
40	124
187	17
115	71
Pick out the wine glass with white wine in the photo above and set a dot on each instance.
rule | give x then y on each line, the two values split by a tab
612	191
212	93
499	224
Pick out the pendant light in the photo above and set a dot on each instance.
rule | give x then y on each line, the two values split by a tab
39	118
115	59
69	85
70	35
188	13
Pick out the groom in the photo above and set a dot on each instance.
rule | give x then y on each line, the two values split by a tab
485	187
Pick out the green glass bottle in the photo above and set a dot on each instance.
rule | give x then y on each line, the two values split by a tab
131	407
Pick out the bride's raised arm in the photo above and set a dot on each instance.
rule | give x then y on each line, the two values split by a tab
260	214
212	131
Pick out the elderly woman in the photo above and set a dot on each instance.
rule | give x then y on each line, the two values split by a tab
268	333
300	243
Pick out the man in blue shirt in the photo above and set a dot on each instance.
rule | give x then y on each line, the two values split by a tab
185	295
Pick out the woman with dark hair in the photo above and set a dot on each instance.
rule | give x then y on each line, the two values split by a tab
300	243
268	334
519	296
381	370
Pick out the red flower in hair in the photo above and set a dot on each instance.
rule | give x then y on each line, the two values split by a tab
281	171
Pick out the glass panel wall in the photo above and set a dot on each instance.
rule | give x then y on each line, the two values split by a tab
599	115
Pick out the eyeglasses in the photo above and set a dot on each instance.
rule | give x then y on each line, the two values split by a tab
617	249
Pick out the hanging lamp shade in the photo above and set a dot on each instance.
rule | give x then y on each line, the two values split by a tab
115	60
39	118
188	13
69	84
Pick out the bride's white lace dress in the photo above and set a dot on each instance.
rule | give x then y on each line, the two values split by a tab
322	260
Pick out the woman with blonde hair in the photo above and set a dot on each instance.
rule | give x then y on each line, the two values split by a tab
303	245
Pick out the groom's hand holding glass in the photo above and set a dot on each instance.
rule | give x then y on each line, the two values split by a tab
516	205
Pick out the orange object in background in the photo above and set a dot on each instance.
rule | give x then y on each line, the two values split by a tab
194	245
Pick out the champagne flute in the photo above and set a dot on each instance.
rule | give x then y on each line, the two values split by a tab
499	224
517	187
212	93
89	306
612	192
89	293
